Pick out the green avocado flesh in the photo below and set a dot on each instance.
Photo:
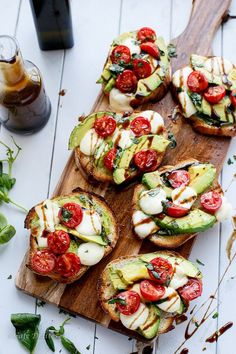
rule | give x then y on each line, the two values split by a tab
95	239
201	176
150	328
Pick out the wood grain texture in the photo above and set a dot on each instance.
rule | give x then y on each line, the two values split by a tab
80	297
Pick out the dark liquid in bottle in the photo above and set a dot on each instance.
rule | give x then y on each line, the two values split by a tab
53	23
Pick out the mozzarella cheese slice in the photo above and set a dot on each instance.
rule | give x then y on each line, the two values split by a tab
225	211
42	242
155	119
90	253
137	319
151	201
184	196
119	101
143	224
152	61
172	303
218	66
48	215
187	105
136	288
90	224
123	138
132	45
90	142
180	77
179	278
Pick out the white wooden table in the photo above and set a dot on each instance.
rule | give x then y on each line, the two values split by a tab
44	155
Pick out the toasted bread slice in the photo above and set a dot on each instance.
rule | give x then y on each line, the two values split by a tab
170	241
106	291
112	237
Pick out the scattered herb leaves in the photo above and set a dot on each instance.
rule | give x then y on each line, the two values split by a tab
199	262
196	98
116	69
69	346
117	299
216	315
173	142
66	214
9	276
171	51
230	162
88	346
40	303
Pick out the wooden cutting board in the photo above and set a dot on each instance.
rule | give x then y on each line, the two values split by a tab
80	298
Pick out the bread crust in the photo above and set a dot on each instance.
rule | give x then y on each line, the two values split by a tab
113	238
106	291
172	241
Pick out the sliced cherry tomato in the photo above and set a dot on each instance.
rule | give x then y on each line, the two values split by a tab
176	211
140	126
58	241
214	94
105	126
110	158
146	34
120	55
179	178
70	215
191	290
160	270
151	291
68	264
126	82
197	81
146	160
132	302
233	97
43	262
211	201
150	48
142	68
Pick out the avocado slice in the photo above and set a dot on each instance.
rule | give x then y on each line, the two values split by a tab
151	179
150	328
133	271
73	247
117	282
95	239
196	221
109	86
201	176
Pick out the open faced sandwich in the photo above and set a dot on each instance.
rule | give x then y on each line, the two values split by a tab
173	204
206	91
112	147
68	234
137	70
147	292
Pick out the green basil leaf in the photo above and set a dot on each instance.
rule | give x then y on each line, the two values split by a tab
27	331
48	338
69	346
6	234
3	221
117	299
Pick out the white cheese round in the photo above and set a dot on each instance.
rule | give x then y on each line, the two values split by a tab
155	119
123	138
48	215
187	105
184	196
225	211
120	102
218	66
136	288
179	278
90	142
143	224
151	201
42	242
172	303
137	319
131	43
180	77
90	253
90	224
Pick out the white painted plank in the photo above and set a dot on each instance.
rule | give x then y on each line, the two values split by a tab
8	16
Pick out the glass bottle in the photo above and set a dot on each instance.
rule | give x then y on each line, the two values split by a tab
24	106
52	19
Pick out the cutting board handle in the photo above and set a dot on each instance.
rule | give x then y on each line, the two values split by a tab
205	19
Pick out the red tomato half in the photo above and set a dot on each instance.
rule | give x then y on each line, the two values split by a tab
150	48
68	264
58	241
214	94
132	302
109	159
179	178
70	215
140	126
126	82
176	211
120	55
233	97
191	290
211	201
146	34
151	291
43	262
142	68
161	271
197	81
105	126
146	160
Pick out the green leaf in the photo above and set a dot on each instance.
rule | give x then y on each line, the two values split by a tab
216	314
69	346
6	234
171	51
66	214
116	69
3	221
230	162
172	139
196	98
117	299
27	331
199	262
48	338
